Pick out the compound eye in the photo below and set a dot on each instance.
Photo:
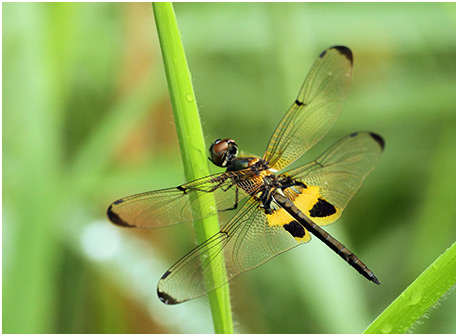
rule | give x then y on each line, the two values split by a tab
222	151
219	146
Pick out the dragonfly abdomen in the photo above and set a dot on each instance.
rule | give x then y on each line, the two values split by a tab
326	238
346	255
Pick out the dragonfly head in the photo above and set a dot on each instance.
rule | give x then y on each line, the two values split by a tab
223	151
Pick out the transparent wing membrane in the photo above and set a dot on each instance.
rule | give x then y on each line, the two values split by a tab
174	205
315	110
337	174
246	242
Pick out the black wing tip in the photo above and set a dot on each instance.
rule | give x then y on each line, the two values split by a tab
374	136
166	298
114	217
345	51
379	139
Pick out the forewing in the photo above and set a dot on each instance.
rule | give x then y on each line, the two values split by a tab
333	178
175	205
250	239
315	110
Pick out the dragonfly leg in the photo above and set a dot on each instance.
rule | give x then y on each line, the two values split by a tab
236	202
218	185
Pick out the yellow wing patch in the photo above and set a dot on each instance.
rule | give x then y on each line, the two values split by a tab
309	200
281	218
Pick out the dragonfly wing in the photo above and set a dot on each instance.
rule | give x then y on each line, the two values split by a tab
250	239
175	205
334	177
315	110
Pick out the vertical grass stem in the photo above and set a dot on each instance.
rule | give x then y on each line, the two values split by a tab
191	140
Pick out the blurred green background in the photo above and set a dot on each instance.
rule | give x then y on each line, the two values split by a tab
87	120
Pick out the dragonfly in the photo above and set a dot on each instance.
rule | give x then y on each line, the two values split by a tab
278	209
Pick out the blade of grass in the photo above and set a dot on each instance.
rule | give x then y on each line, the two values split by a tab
419	297
191	140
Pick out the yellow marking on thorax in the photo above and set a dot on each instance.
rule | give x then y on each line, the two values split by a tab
265	173
252	181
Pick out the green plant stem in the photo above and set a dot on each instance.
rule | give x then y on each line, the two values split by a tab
192	144
419	297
